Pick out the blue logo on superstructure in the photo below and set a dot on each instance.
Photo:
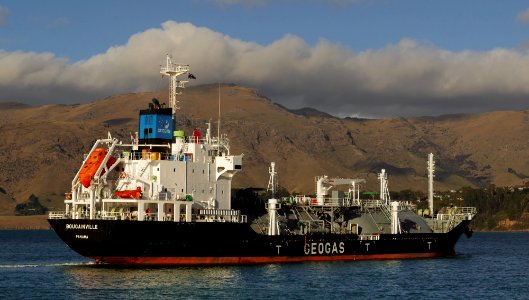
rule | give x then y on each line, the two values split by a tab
164	127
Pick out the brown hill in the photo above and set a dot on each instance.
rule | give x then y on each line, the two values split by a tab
42	147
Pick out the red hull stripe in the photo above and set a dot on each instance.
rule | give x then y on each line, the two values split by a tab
120	260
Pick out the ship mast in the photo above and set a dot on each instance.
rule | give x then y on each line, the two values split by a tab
272	206
431	169
272	182
384	192
173	71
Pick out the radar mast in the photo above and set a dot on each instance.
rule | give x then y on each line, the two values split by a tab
173	71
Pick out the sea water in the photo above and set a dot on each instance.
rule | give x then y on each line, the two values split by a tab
36	264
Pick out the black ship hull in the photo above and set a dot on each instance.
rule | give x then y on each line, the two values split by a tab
202	243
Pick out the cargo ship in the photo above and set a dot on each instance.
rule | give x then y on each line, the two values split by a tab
164	198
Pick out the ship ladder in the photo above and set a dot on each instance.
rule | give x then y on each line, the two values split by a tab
385	211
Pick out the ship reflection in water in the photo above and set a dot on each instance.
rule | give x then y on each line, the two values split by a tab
93	277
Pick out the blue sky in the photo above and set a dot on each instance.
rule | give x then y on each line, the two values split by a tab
80	29
372	58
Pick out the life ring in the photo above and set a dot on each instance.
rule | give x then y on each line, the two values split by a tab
122	175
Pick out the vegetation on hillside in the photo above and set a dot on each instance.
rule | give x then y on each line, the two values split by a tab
30	207
499	208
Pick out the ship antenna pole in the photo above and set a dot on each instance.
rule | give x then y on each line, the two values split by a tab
173	71
431	169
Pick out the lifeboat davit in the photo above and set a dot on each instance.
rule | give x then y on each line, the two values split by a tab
92	164
136	194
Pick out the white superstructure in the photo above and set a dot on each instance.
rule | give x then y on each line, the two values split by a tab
180	178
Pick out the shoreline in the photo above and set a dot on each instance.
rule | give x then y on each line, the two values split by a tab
37	222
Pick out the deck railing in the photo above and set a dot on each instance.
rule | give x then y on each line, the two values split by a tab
458	213
57	215
127	215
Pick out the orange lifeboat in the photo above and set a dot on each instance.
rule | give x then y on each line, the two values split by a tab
136	194
92	164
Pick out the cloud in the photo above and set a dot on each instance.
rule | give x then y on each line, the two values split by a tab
4	12
403	79
523	17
